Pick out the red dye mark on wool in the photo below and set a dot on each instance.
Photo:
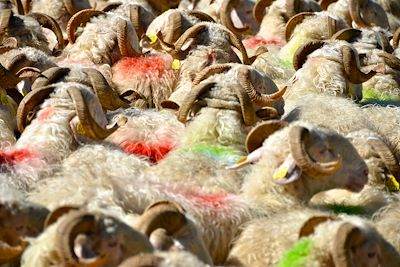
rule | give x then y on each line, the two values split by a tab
154	152
147	65
257	41
215	200
12	157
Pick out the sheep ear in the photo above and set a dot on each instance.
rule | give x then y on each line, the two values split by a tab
53	216
309	226
288	172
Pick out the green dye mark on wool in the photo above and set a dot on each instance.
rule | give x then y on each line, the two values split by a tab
297	255
372	96
217	152
346	209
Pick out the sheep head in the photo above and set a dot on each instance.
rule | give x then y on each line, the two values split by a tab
18	220
367	13
89	239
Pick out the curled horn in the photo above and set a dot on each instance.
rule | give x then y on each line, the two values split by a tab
344	235
259	7
20	7
211	70
396	38
163	5
189	100
391	60
50	76
50	23
77	19
124	35
249	116
348	34
5	20
163	214
236	42
324	4
53	216
111	6
8	44
297	137
294	21
89	125
142	260
351	70
76	223
386	155
70	7
173	27
258	134
10	252
383	42
225	16
135	16
29	103
200	15
27	6
260	99
107	96
355	13
301	54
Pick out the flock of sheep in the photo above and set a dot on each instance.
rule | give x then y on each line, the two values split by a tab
139	133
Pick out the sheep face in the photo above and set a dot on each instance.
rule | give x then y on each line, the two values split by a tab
341	165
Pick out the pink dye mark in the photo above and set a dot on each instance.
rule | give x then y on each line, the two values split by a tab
153	151
45	113
12	157
147	65
257	41
214	200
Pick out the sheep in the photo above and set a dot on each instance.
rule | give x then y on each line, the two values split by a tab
164	259
28	30
382	179
20	220
312	238
385	221
61	119
312	76
360	14
272	26
85	238
392	9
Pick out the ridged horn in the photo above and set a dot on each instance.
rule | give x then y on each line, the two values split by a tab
249	116
29	103
8	44
396	38
53	216
244	76
259	8
351	70
391	60
20	7
255	138
82	17
301	54
124	35
209	71
189	100
355	13
297	137
111	6
50	23
294	21
5	20
50	76
135	16
173	27
308	226
225	16
387	156
89	125
70	7
108	98
237	43
344	235
200	15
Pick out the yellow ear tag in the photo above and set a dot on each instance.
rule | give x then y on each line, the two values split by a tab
176	64
79	129
153	39
3	98
242	159
281	172
392	184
